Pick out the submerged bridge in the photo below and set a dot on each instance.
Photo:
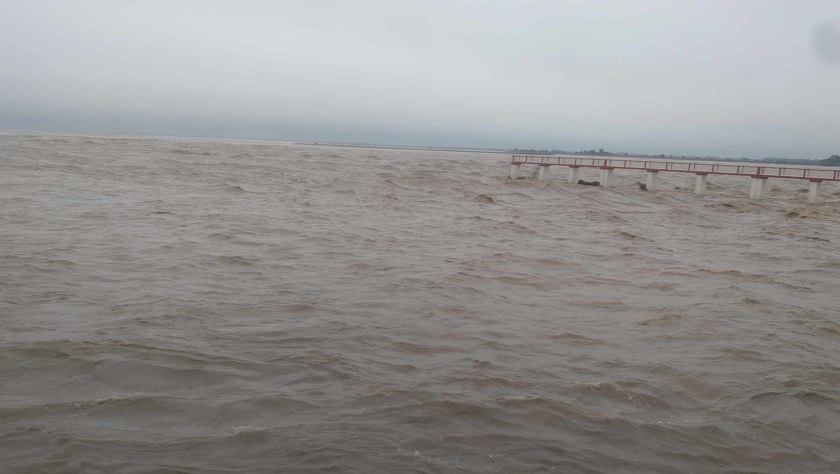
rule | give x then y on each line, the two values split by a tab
759	174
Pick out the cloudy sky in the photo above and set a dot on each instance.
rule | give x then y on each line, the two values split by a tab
755	78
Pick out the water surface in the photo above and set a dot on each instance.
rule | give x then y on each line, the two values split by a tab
199	306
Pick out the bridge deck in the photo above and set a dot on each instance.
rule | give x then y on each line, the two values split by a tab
682	166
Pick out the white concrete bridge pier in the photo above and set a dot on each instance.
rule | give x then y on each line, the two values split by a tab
758	187
514	170
651	178
545	172
574	174
606	176
814	191
700	185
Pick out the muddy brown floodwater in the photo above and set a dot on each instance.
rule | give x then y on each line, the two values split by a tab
200	306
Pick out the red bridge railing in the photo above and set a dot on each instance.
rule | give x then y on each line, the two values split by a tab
821	174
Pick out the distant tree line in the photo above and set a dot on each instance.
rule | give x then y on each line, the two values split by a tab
833	161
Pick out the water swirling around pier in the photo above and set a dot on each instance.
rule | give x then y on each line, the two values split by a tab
200	306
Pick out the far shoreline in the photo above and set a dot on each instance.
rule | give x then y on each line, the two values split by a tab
497	151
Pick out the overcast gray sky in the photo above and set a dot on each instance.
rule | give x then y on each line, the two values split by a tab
748	78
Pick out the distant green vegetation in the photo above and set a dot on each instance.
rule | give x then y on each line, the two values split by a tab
833	161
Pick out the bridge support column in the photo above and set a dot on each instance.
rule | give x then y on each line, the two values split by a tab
606	175
700	185
574	174
814	191
545	173
758	188
650	180
514	171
